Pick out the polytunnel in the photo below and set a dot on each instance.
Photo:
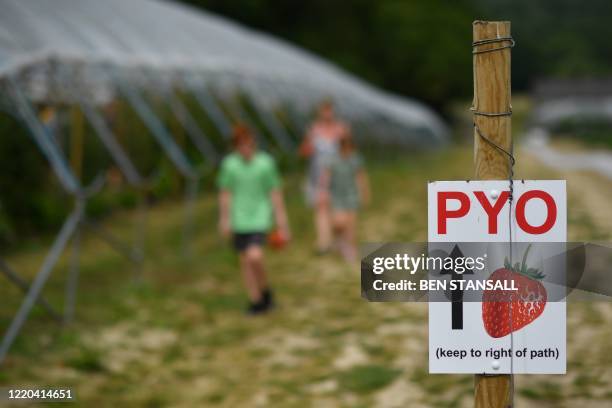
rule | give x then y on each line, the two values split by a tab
101	41
87	53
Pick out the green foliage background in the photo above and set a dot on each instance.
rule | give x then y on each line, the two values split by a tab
420	48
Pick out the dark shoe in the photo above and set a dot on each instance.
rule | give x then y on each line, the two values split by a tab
256	308
267	298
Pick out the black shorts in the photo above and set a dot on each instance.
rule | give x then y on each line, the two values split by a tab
243	240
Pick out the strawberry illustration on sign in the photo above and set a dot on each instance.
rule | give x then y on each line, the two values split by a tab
504	312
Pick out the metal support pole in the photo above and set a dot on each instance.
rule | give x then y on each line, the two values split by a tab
271	123
212	110
194	132
165	140
73	274
42	276
112	241
12	276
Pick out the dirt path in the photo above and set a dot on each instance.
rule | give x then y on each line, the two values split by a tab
589	184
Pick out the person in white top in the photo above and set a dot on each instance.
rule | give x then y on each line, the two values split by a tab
319	145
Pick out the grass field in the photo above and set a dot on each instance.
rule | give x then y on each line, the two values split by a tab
180	338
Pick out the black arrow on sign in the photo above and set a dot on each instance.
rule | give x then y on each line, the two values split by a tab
457	294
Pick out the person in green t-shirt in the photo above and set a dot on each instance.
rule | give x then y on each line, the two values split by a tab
251	203
344	182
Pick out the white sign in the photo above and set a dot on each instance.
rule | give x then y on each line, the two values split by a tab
471	337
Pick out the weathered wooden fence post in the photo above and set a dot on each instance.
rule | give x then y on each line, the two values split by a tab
491	108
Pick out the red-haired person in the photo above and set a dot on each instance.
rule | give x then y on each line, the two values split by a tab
344	182
250	204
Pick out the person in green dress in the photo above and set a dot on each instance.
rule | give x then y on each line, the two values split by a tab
250	204
344	181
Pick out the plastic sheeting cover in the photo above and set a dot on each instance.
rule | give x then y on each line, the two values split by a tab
176	41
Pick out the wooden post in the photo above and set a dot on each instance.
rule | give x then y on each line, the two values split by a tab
492	95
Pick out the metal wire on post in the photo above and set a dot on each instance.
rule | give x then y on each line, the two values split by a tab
486	41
